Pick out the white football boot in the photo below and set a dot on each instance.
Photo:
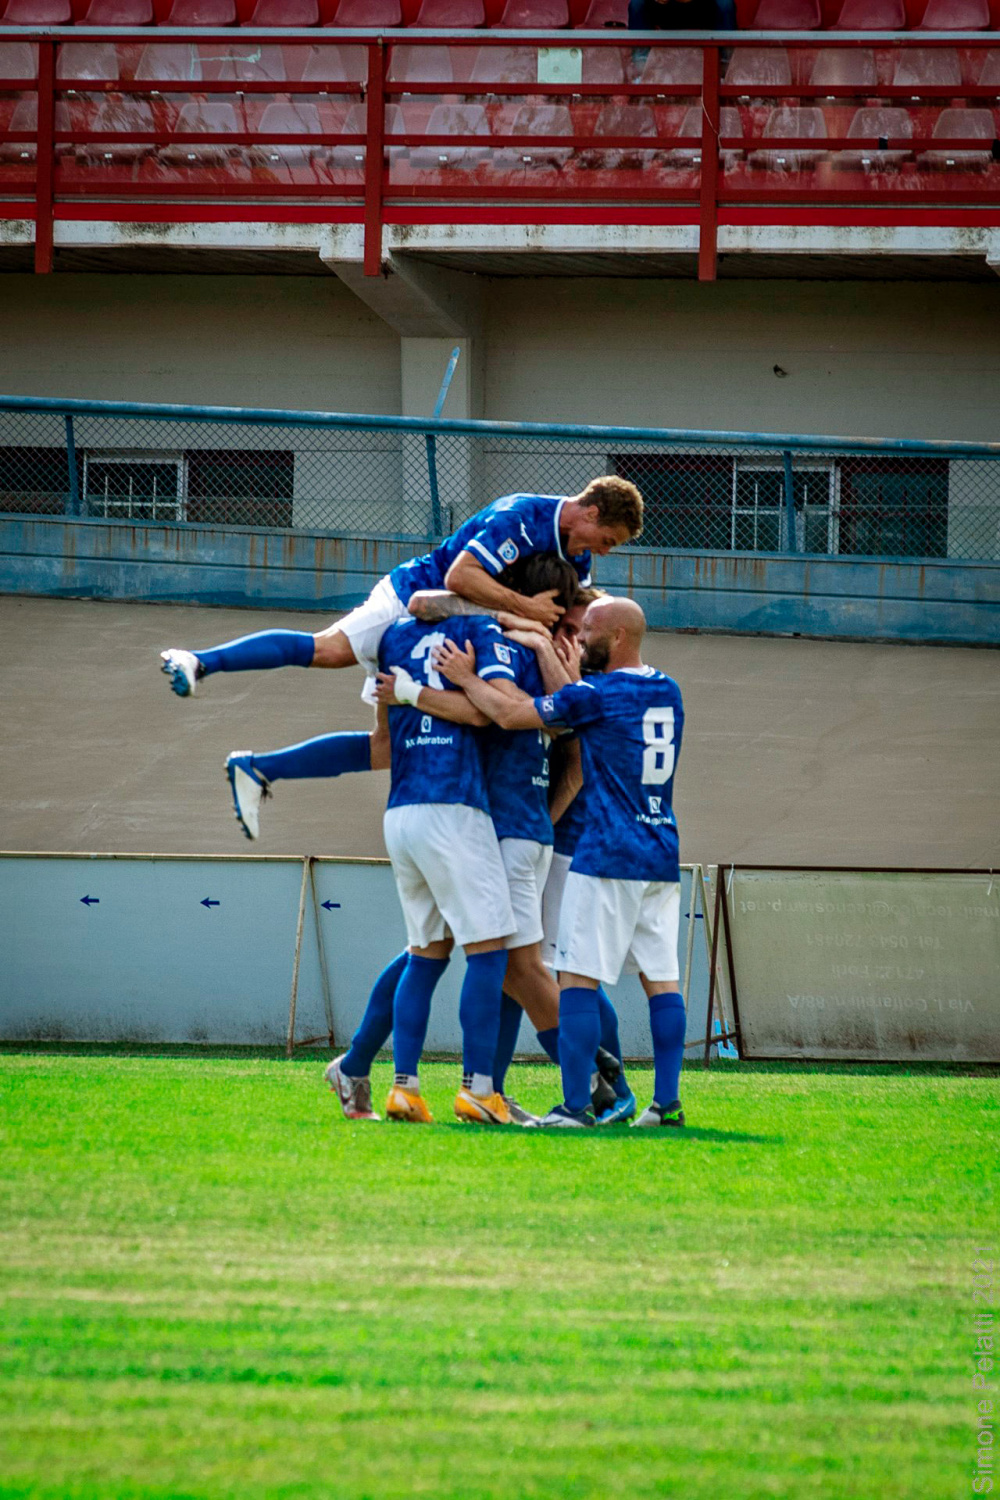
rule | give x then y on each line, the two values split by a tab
249	790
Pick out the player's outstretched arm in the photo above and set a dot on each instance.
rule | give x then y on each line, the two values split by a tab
430	605
569	783
504	703
455	707
470	579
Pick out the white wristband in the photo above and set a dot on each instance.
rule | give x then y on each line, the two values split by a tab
407	691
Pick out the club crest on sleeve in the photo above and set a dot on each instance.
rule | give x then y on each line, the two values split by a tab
502	654
547	705
508	551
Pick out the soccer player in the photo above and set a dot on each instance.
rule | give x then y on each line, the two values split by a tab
449	871
621	903
516	773
606	514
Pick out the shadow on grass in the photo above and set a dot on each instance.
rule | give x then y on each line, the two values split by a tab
607	1134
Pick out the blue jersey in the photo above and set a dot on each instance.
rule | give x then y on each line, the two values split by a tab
629	723
432	759
515	526
517	765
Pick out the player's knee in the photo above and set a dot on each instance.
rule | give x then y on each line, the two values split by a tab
332	649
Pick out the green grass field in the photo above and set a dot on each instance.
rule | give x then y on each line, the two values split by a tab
213	1286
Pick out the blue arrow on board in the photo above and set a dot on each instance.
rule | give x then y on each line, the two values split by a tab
330	905
207	901
90	900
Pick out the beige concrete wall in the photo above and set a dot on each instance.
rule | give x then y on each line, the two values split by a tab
284	341
872	359
882	359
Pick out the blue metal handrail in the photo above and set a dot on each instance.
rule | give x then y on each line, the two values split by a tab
568	431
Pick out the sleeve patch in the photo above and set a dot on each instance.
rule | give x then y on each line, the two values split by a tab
508	551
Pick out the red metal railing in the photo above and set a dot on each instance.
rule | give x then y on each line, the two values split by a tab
737	128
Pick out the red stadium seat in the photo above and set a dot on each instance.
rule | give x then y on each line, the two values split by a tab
605	13
446	13
353	121
846	67
24	117
674	65
871	15
529	14
19	60
122	114
977	123
331	64
367	13
938	67
245	62
603	65
98	61
37	13
766	66
201	13
534	119
956	15
118	13
990	75
880	121
787	15
622	119
730	124
284	13
421	65
452	119
505	65
788	120
205	117
287	119
170	62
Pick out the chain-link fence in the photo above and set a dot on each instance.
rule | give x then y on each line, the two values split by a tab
399	478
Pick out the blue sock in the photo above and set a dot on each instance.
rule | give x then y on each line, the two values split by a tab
411	1010
260	652
579	1039
549	1040
610	1041
376	1023
510	1025
668	1023
479	1010
327	755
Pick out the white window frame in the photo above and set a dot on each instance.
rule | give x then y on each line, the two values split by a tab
116	510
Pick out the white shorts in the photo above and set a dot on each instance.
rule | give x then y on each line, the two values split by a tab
606	926
552	904
449	873
527	864
366	625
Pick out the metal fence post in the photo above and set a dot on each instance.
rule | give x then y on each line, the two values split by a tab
45	157
73	506
790	503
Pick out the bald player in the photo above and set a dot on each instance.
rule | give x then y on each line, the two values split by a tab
621	903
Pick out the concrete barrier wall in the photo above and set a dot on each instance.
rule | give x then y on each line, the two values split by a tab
839	598
140	948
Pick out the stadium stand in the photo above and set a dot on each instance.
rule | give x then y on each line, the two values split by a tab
906	112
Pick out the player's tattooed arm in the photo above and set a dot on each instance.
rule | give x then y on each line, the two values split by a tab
502	702
455	707
569	783
442	604
470	579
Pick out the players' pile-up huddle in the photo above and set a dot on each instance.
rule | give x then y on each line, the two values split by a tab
532	759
